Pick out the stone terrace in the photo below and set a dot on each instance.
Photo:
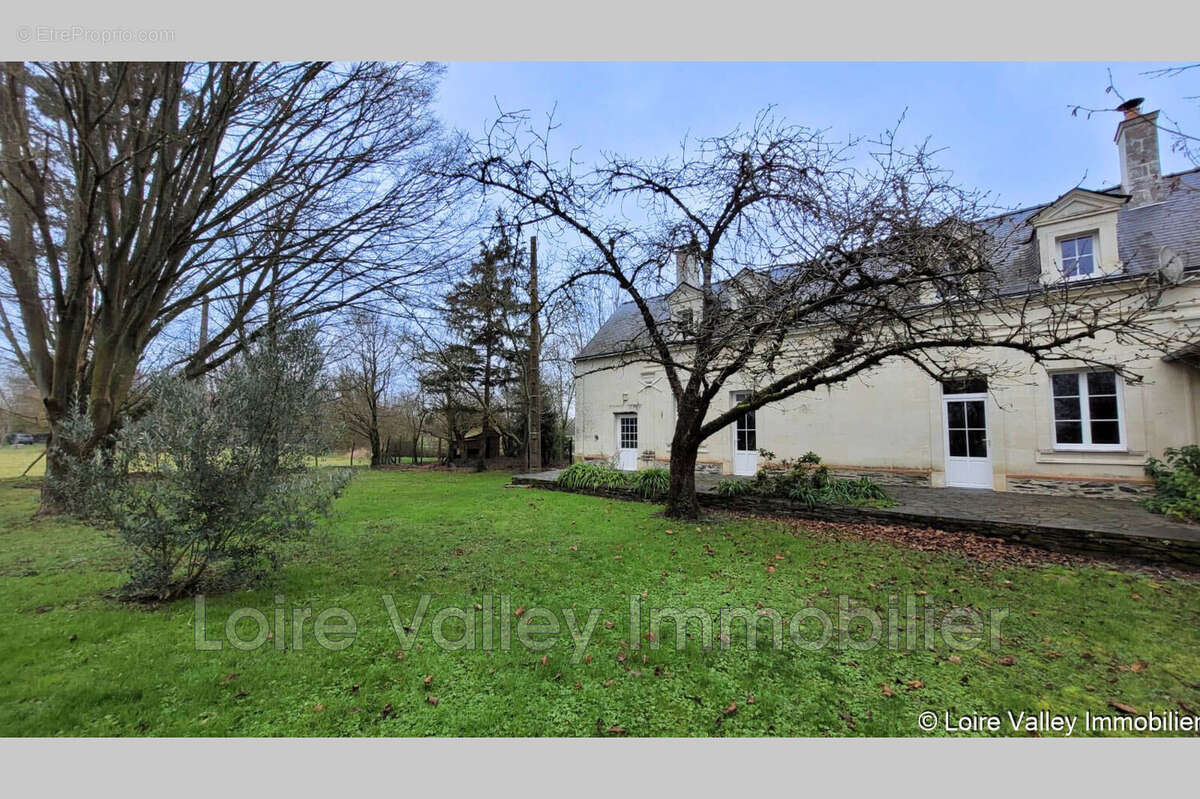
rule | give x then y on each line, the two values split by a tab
1101	527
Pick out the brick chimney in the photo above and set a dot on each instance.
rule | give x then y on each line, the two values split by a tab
1137	140
687	269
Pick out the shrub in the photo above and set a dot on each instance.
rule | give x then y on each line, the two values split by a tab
592	477
808	482
1177	483
211	480
651	483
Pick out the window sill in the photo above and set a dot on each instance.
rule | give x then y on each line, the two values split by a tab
1095	457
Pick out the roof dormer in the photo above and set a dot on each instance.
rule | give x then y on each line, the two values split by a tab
1077	236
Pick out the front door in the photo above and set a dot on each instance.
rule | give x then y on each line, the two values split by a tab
627	441
745	440
968	462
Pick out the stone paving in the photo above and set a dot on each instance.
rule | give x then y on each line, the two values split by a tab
1082	524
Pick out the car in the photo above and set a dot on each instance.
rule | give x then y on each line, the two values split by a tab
22	438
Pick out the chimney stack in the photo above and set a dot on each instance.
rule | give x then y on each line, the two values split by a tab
1137	140
687	270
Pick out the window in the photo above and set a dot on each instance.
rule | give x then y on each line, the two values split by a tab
1087	410
629	432
747	435
1078	257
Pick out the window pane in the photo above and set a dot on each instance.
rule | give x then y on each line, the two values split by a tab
1066	408
1084	265
749	420
1068	249
1065	385
955	415
1068	432
964	385
751	441
975	414
1083	246
1106	433
1102	382
958	443
1102	408
976	443
741	440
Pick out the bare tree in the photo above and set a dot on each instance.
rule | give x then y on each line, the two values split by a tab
133	194
371	359
800	264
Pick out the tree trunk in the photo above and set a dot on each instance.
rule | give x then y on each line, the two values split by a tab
681	495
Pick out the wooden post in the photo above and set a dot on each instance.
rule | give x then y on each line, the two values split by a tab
533	373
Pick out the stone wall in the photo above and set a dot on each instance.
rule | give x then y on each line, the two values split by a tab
1101	489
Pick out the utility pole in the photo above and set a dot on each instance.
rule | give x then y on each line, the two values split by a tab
533	452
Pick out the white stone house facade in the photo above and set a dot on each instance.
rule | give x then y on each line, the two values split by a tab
1069	429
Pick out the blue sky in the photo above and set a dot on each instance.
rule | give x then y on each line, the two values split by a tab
1005	126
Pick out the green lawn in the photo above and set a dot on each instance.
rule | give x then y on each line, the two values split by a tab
76	663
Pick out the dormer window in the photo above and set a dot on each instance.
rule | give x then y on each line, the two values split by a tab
1077	236
1078	257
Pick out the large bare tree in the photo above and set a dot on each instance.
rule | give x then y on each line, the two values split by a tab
135	198
371	358
801	264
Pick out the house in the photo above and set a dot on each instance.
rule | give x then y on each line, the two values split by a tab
1067	430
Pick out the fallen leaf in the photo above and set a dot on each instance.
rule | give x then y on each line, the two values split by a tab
230	678
387	711
954	659
750	699
778	556
399	654
608	625
519	611
1008	661
730	710
433	700
354	688
428	680
545	660
620	657
1136	597
846	717
617	729
574	547
578	686
587	658
670	532
608	683
1141	664
888	691
1124	708
915	684
318	707
771	569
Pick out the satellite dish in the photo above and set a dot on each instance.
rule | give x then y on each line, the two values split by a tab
1171	265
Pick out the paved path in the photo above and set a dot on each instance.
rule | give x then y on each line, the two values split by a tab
1118	527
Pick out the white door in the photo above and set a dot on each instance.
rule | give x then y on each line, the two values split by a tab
968	462
745	440
627	441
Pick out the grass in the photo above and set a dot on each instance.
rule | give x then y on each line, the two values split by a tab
77	663
14	460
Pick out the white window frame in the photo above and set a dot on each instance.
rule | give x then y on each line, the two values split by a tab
1062	265
1085	413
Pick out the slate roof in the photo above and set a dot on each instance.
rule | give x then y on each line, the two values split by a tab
1142	232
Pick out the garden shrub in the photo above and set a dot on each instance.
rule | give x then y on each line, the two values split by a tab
1177	483
592	477
651	483
207	484
808	482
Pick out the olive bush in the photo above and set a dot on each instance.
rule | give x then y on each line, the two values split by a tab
205	486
